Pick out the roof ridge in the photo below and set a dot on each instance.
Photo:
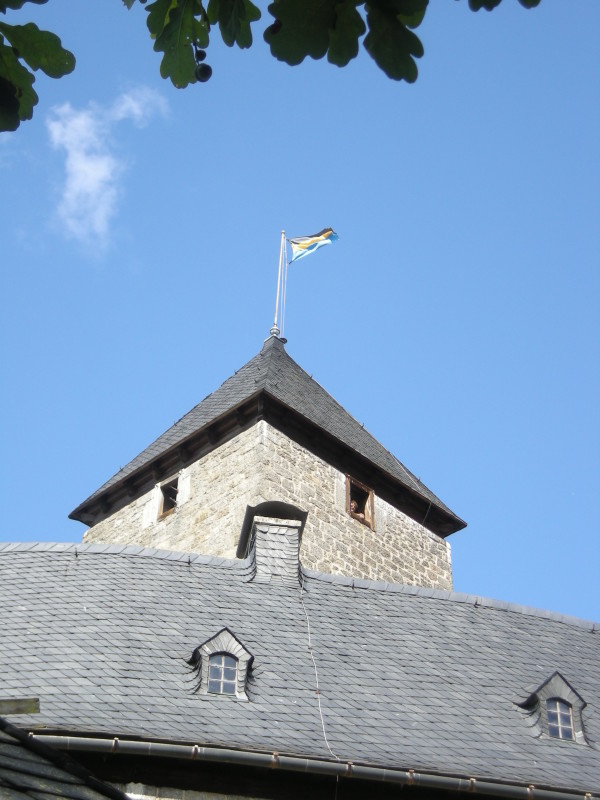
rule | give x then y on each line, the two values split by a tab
93	548
452	596
345	411
126	471
242	566
294	365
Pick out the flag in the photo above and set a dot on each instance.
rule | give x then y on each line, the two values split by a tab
303	245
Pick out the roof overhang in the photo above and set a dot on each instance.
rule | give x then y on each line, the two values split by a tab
338	768
263	406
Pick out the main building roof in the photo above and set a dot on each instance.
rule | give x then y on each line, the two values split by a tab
409	678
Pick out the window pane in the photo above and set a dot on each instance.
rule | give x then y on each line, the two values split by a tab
553	731
222	673
552	717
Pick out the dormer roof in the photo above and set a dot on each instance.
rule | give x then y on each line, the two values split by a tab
273	387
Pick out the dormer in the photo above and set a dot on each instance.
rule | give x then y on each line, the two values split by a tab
222	664
555	710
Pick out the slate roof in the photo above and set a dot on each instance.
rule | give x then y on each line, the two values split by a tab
273	372
410	678
29	770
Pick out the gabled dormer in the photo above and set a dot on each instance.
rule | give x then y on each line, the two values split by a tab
272	433
555	710
222	664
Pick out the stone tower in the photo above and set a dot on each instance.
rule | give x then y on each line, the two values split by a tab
272	442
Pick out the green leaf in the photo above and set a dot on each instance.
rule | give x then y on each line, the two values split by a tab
158	16
234	18
411	12
16	86
40	49
477	5
391	44
177	39
300	29
489	5
15	4
343	38
9	106
129	3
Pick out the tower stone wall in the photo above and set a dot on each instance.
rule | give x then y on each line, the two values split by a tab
262	464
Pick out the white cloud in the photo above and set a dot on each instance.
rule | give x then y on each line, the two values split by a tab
93	170
139	106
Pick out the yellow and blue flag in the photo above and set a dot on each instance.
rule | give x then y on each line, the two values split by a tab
303	245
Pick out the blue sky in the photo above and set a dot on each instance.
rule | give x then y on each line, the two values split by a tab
457	316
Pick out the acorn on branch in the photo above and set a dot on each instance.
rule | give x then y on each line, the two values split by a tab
203	72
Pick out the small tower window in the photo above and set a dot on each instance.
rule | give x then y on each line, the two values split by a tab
169	497
222	674
359	502
560	719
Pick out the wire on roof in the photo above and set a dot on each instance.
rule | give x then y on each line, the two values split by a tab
310	650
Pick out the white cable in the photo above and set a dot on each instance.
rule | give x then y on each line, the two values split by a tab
316	670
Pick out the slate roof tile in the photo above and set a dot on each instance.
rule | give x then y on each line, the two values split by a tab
398	670
274	372
31	771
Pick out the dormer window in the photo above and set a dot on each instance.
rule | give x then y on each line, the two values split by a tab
222	664
560	719
222	673
359	502
169	491
555	710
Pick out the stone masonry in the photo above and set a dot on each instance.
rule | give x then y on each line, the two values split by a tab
263	464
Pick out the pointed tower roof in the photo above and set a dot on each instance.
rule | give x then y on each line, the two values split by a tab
273	387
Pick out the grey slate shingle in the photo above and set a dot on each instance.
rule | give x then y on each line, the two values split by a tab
407	680
275	373
30	770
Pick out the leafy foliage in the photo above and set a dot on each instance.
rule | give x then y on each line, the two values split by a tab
181	32
390	42
24	48
489	5
234	18
176	31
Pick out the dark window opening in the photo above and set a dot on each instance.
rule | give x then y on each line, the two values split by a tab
169	497
222	674
560	719
359	502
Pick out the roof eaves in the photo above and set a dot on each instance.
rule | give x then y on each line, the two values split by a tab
371	772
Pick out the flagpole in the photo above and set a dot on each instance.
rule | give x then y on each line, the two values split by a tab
275	328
